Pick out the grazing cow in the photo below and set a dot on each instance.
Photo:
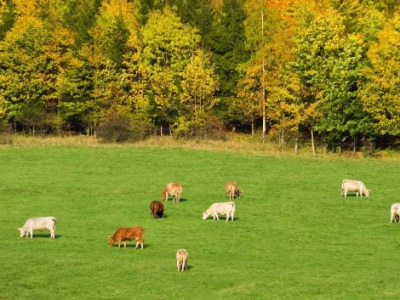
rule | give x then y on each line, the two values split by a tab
354	186
127	234
232	189
395	212
181	260
172	189
41	223
222	208
157	208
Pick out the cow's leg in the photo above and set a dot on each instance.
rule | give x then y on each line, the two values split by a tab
31	231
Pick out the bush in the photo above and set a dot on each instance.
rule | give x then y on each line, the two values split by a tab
211	129
122	130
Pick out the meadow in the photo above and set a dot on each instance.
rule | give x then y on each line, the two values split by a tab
293	236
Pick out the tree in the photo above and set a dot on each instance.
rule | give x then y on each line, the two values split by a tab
227	45
327	62
199	85
381	86
168	47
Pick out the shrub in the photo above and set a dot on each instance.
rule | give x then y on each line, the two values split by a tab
124	129
211	129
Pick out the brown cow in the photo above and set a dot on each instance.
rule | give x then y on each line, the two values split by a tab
127	234
174	190
232	189
181	259
157	208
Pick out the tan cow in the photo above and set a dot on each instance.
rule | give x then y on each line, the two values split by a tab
356	186
41	223
174	190
222	208
181	260
127	234
232	189
395	212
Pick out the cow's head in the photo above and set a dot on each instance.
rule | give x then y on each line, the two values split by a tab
238	193
164	194
21	232
205	215
366	192
111	241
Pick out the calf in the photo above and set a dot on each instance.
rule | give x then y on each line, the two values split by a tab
222	208
127	234
354	186
41	223
172	189
157	209
181	260
395	212
232	189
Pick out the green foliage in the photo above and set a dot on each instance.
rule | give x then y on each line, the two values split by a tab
228	45
328	62
380	91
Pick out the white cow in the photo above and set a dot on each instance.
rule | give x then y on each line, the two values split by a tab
41	223
222	208
395	212
357	186
181	260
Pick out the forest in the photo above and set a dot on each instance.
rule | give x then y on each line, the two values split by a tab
323	71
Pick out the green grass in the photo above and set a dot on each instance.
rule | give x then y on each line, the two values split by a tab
293	236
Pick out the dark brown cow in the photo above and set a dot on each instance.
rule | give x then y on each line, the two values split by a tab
232	189
127	234
157	208
172	189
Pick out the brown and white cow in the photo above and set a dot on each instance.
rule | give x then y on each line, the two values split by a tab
40	223
174	190
127	234
395	212
157	208
356	186
181	260
232	189
222	208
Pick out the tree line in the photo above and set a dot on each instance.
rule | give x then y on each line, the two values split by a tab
322	70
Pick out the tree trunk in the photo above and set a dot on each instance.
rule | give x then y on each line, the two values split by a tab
312	142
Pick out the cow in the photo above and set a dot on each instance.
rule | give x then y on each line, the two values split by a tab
181	260
354	186
157	208
232	189
127	234
395	212
222	208
40	223
172	189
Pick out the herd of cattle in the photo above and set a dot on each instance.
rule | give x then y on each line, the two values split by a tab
122	235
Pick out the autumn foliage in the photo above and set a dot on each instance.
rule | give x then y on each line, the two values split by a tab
307	70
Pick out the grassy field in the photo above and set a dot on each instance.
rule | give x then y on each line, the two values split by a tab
293	235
